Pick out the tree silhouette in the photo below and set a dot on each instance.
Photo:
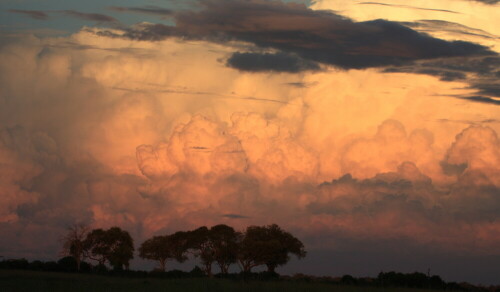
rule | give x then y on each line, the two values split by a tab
96	246
113	245
201	245
163	248
224	242
73	243
121	248
268	245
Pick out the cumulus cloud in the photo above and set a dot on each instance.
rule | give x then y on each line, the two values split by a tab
184	145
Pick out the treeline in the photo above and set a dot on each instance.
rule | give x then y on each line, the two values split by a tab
389	279
395	280
220	245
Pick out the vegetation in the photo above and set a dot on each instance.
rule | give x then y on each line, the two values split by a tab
268	246
21	275
164	248
221	245
38	281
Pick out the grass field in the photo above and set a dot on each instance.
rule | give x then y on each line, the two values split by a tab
11	280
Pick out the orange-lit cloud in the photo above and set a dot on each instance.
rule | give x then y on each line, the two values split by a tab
161	136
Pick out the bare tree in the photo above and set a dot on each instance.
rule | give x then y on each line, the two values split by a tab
73	242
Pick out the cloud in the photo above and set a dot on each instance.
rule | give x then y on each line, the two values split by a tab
154	10
406	6
479	72
482	99
102	18
357	154
35	14
491	2
234	216
451	28
266	62
317	36
44	15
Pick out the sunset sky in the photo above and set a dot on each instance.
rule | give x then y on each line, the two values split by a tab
369	130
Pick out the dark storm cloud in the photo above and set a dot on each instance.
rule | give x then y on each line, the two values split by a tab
318	36
481	72
407	6
234	216
43	15
265	62
491	2
154	10
35	14
483	99
391	192
89	16
147	32
434	25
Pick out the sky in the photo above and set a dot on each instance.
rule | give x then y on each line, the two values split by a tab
369	130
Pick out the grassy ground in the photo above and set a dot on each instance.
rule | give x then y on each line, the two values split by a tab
47	281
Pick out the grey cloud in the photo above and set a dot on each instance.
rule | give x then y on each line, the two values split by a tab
481	72
393	192
266	62
482	99
491	2
453	169
185	90
147	32
300	84
35	14
154	10
317	36
90	16
234	216
407	6
433	25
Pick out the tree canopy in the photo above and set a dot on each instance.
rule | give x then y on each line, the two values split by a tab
221	245
268	245
165	247
114	245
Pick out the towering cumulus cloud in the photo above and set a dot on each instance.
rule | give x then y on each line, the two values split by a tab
253	112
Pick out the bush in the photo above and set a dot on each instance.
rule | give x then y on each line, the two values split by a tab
17	264
197	272
348	280
67	264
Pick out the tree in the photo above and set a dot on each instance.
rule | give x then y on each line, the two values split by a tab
268	245
225	246
249	249
114	245
73	243
217	244
163	248
201	246
96	246
121	249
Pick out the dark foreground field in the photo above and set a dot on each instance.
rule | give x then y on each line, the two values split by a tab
11	280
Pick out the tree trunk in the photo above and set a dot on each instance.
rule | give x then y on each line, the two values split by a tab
271	268
208	269
163	264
